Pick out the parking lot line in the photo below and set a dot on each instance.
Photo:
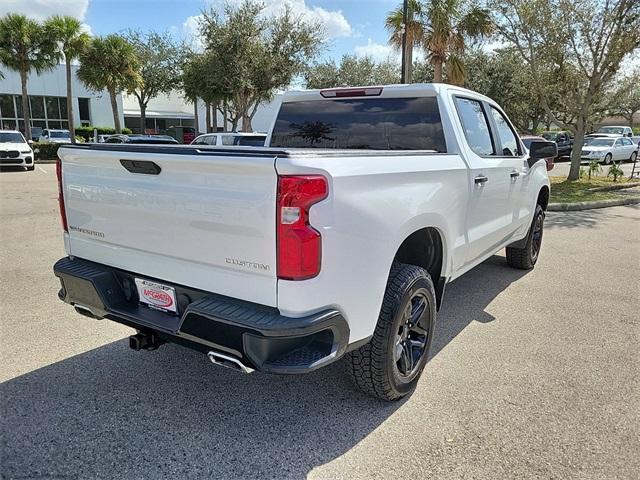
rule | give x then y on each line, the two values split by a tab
42	169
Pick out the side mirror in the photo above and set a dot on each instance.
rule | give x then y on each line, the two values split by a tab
630	134
30	142
539	150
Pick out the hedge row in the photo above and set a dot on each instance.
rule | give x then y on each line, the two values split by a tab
46	150
87	132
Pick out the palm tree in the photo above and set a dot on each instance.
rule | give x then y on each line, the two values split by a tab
110	63
415	31
449	23
72	41
25	47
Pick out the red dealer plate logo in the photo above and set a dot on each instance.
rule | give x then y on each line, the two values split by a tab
156	295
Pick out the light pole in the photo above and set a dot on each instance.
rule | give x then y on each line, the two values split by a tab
405	20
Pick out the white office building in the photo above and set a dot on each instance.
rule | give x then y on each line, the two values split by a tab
48	94
48	101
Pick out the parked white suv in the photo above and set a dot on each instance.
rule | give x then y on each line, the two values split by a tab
231	139
337	239
615	131
15	151
55	136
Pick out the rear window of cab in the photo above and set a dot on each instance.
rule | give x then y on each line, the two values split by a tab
361	123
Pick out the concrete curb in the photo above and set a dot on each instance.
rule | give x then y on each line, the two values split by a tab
48	160
572	207
619	186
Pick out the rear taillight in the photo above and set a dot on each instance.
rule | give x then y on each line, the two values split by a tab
63	213
299	244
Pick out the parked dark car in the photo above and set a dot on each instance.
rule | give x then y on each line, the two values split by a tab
528	139
563	139
143	139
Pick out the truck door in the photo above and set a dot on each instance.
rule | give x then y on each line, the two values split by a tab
494	178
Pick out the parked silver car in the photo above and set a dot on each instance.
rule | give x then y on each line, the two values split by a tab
607	150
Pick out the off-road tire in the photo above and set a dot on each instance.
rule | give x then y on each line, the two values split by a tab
373	367
526	258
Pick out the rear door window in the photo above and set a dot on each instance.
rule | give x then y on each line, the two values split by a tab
251	140
475	125
508	140
361	123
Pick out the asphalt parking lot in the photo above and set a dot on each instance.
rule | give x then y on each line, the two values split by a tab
533	375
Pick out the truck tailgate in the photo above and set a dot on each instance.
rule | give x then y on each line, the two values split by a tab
205	220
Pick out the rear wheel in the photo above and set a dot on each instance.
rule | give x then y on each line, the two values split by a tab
389	366
525	258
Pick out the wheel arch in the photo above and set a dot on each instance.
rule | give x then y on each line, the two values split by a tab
543	197
425	248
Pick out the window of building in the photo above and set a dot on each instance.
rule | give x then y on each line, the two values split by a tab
46	111
7	109
83	110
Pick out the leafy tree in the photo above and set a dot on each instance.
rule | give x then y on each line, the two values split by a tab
24	47
394	24
72	41
249	56
625	100
450	24
159	58
110	63
501	76
580	42
352	71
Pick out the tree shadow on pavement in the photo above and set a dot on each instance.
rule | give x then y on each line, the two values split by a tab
583	218
115	413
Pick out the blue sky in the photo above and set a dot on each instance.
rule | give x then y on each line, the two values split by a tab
353	26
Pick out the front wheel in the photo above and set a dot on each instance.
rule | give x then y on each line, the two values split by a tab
525	258
607	159
633	157
389	366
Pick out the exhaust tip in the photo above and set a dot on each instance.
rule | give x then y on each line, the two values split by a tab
229	362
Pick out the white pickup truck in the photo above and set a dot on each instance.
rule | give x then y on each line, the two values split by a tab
336	239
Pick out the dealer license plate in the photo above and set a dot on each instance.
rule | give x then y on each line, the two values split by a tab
156	295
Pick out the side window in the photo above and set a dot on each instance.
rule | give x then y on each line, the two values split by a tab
618	142
507	138
200	141
627	142
227	140
475	125
212	140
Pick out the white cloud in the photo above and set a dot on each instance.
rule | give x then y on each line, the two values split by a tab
334	22
191	31
42	9
376	51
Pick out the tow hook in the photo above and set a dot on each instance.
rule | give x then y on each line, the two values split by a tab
144	341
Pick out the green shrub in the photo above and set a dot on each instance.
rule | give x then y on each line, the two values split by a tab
87	132
615	171
46	150
594	168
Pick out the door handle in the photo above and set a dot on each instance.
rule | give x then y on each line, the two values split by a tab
515	174
480	179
